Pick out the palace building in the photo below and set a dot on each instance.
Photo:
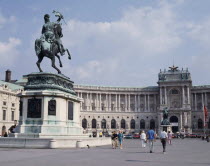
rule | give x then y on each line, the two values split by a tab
9	103
131	109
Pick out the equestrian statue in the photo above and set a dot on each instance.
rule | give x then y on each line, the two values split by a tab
50	44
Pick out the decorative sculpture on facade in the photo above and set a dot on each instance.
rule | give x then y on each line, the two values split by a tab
50	44
165	117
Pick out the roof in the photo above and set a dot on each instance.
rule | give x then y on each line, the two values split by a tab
11	86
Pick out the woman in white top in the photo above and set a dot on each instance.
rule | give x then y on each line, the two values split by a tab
143	139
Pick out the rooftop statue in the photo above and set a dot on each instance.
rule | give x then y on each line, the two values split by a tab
50	44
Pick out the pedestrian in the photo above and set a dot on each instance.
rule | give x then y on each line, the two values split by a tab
151	138
120	138
143	139
163	139
169	137
5	134
114	140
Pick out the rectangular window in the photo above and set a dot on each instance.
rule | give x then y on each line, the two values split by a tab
34	108
4	114
13	116
70	110
4	103
13	104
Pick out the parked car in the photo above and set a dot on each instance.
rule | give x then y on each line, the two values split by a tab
128	136
136	136
193	135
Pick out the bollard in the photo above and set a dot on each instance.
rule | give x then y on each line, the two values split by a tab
78	144
52	144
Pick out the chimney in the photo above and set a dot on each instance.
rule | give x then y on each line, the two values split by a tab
8	76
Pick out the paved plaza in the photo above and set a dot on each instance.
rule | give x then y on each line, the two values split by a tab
182	153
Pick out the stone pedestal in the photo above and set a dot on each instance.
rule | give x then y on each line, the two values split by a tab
167	128
50	107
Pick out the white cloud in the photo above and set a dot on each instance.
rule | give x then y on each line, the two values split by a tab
5	20
123	46
9	52
2	21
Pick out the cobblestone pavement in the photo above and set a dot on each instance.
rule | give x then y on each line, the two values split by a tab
193	152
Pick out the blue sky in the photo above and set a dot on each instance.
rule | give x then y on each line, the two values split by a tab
112	42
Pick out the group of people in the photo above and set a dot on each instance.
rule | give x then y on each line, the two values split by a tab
117	139
10	130
150	138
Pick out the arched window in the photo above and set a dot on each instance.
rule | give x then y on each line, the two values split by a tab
174	91
113	124
84	123
152	124
173	119
133	124
200	124
103	124
93	123
123	123
142	124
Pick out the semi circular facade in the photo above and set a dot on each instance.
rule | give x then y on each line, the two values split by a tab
133	108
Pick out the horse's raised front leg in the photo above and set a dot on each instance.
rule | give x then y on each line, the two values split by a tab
69	55
40	58
59	60
53	65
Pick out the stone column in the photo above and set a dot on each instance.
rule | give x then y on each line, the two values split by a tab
155	103
87	102
107	106
188	95
126	105
129	102
97	102
185	118
110	102
100	102
90	101
116	105
148	104
145	103
181	120
202	101
135	103
196	102
139	103
165	96
119	104
161	101
183	96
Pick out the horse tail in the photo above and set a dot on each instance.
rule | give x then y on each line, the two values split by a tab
38	46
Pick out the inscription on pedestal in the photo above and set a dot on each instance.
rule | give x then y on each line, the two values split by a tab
34	108
70	110
52	107
21	108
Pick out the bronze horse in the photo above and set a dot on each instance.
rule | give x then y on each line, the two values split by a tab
52	51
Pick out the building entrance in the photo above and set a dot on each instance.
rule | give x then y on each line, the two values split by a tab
174	123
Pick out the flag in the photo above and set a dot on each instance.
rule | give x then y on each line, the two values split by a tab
205	114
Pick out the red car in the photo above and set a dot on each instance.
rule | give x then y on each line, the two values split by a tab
136	136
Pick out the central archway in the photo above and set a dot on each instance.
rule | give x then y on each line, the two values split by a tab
175	124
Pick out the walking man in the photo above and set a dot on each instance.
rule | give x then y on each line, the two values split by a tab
163	139
151	139
143	139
